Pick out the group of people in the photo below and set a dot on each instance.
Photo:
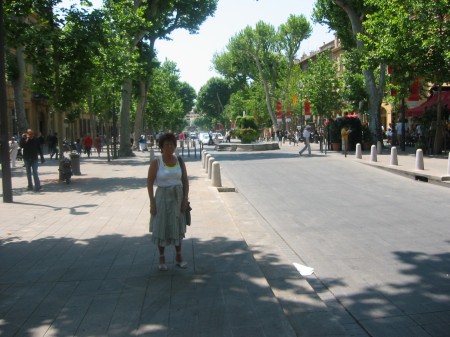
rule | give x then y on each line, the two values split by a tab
413	133
30	149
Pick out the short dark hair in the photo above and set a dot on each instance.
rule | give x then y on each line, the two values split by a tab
167	137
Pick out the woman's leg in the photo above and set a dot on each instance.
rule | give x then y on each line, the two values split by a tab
179	259
178	251
162	259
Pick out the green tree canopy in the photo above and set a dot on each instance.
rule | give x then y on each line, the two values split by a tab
322	86
413	36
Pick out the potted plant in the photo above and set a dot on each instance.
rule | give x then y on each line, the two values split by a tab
247	130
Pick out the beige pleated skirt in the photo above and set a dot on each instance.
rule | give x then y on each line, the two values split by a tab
168	225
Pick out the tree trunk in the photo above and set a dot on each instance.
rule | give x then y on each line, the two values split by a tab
92	118
369	77
4	147
268	97
439	136
125	106
18	87
139	119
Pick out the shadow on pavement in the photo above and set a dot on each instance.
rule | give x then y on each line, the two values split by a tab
110	285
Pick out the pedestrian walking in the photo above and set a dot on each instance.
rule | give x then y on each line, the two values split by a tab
87	143
52	143
13	150
306	139
142	143
170	201
345	131
31	152
98	144
41	144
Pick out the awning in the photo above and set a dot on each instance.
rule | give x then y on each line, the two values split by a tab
418	111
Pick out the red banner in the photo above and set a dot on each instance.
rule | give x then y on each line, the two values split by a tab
279	107
307	108
414	92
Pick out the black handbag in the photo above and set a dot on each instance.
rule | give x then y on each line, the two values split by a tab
188	214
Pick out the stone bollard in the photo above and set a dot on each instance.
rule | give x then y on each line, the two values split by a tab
448	166
373	153
419	160
204	159
216	178
152	154
358	154
211	160
206	162
394	159
379	147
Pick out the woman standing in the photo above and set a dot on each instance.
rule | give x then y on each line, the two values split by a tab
168	205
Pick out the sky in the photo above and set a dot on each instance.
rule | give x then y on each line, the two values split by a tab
193	53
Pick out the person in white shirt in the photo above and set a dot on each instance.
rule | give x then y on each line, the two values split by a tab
13	150
306	135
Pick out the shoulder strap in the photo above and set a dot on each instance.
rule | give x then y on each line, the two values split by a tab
180	161
183	170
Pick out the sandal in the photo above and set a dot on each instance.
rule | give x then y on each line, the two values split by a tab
180	263
162	263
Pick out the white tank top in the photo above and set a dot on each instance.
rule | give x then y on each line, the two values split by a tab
168	175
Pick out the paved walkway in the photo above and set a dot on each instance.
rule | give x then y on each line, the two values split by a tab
77	260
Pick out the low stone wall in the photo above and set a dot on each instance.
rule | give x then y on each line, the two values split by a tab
263	146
